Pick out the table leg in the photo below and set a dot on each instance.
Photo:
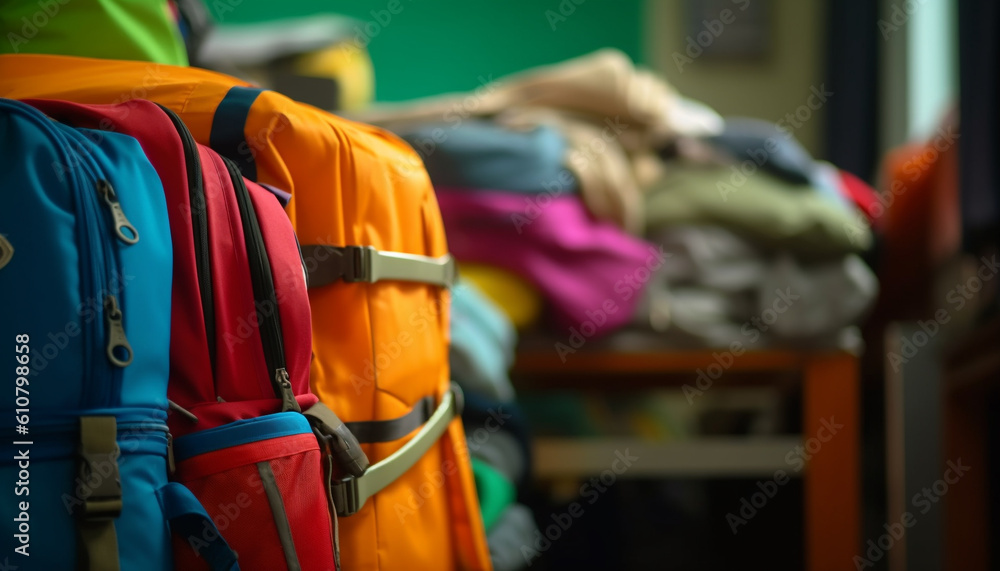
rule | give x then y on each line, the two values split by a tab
831	401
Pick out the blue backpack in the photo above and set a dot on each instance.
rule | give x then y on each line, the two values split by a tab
85	284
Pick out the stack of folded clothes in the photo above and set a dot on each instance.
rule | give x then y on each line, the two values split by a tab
481	352
591	195
762	244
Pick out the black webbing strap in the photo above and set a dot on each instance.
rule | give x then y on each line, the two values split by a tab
370	431
328	264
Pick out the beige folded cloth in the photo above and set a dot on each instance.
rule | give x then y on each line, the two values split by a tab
613	115
603	84
598	159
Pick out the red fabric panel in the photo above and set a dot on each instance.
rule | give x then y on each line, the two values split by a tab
228	484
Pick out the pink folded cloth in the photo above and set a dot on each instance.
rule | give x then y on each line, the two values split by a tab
591	272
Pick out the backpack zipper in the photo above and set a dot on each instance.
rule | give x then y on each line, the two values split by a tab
199	225
266	299
123	228
137	433
93	194
102	196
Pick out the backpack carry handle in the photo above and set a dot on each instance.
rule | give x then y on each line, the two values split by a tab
351	493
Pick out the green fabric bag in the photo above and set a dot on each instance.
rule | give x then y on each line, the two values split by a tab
495	492
142	30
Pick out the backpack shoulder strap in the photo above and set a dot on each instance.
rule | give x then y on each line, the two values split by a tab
227	136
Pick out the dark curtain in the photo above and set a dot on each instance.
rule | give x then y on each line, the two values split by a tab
853	44
979	99
979	183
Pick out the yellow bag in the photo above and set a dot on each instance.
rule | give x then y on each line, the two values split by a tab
364	209
517	297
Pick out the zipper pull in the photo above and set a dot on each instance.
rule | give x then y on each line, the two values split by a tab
117	342
171	464
284	383
123	228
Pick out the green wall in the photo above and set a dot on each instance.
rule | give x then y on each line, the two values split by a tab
437	46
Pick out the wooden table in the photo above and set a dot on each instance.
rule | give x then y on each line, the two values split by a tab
830	388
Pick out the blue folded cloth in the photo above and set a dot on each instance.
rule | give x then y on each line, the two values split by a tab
772	148
482	344
480	154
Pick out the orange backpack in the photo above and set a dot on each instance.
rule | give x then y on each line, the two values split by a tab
373	242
